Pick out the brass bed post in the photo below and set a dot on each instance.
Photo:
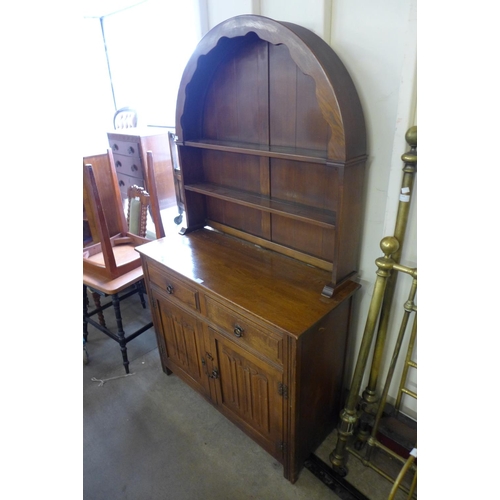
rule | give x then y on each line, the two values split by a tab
409	308
369	396
352	414
349	414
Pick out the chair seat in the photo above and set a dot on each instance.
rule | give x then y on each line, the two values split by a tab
114	285
123	254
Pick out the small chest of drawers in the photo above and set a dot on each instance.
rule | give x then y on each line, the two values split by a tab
130	147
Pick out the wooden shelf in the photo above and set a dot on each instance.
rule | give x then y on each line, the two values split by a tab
288	153
304	213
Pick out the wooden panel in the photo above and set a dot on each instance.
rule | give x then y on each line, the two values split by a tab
349	234
249	391
320	377
247	219
183	341
157	142
236	107
231	169
295	116
102	173
307	238
309	184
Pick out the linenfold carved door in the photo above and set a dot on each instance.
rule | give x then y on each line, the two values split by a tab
182	341
251	391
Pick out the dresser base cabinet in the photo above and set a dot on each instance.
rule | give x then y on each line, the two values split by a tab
248	329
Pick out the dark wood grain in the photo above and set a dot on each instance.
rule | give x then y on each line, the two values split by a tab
269	120
272	147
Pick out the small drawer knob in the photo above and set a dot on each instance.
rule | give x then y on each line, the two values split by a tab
134	168
118	164
170	289
115	147
131	150
238	331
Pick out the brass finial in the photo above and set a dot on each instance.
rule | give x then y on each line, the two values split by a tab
411	136
389	245
410	157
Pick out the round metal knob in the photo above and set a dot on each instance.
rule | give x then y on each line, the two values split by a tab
131	150
170	289
238	331
118	164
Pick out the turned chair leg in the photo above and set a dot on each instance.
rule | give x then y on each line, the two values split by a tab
120	333
85	311
140	290
97	302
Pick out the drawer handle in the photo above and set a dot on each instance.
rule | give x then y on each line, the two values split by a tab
170	289
215	373
134	168
118	164
115	147
238	331
121	183
131	150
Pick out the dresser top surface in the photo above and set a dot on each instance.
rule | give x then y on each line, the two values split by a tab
280	290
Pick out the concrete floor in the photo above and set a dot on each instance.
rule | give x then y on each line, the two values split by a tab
150	436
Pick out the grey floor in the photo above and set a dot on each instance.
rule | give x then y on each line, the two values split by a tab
150	436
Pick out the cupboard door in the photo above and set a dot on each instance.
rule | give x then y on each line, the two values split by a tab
251	393
182	336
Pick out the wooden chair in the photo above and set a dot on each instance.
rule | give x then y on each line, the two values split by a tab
125	118
137	211
111	267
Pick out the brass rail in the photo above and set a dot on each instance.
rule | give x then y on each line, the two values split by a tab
363	412
350	416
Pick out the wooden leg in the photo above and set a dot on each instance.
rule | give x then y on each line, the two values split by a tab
97	302
120	333
140	290
85	311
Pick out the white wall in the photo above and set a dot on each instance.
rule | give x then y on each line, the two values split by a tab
376	40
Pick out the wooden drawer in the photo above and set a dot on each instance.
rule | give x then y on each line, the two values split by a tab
124	147
128	165
246	333
175	288
125	181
